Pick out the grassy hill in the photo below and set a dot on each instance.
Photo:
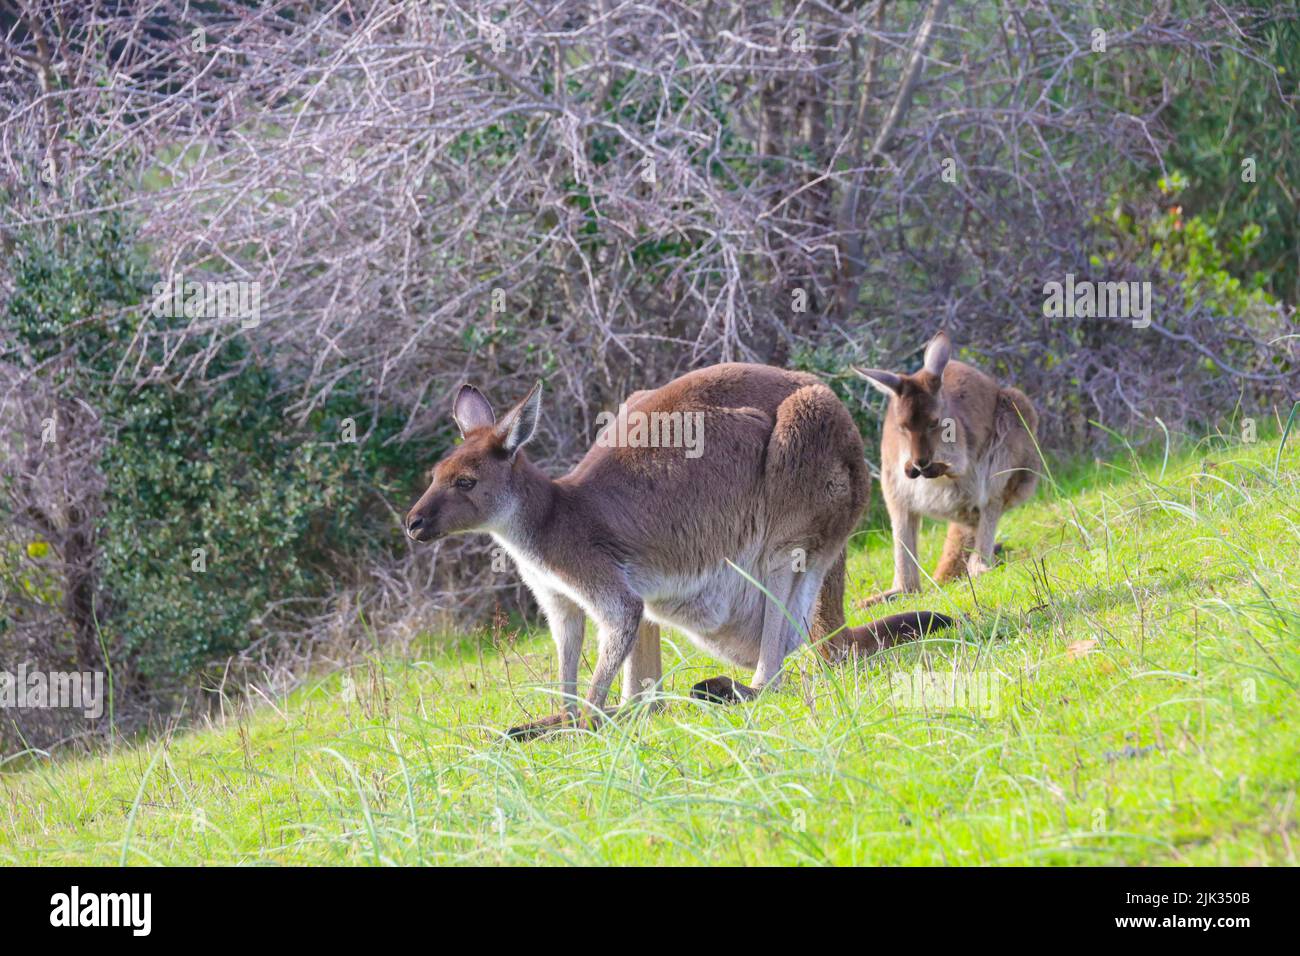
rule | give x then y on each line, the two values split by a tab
1135	661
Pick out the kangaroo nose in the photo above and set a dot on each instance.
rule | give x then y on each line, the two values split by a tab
413	526
921	463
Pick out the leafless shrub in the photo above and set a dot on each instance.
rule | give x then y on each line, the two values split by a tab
604	194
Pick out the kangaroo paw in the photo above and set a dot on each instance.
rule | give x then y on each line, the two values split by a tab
723	690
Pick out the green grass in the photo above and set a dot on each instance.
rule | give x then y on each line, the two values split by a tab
1173	739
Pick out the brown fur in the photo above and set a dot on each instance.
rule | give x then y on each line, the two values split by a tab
956	447
637	536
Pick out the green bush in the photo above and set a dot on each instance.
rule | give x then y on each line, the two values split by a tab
1212	261
1236	131
219	507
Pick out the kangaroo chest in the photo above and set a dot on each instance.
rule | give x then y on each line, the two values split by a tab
947	499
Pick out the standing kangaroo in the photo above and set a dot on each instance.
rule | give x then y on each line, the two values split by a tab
956	447
635	537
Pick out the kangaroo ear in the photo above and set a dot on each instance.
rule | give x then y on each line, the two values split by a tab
886	382
937	354
471	410
518	425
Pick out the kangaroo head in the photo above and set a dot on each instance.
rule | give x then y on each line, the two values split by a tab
476	487
920	410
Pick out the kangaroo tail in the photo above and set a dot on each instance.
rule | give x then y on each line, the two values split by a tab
834	641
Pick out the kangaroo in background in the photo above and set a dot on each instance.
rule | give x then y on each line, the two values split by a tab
956	447
635	537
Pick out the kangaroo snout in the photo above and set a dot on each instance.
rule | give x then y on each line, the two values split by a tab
420	527
925	468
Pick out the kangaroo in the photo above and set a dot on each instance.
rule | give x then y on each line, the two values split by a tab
638	537
955	447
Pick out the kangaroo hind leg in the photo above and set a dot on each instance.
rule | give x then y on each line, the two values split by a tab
787	623
956	551
643	669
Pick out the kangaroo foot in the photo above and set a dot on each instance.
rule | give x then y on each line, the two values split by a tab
540	728
723	690
549	725
881	598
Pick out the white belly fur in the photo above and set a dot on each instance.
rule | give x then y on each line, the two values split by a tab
719	611
945	499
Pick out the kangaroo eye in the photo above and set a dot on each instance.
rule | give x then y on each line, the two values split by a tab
464	483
